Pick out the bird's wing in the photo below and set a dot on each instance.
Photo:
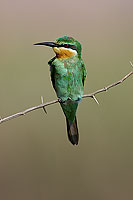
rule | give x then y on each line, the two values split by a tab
84	72
52	71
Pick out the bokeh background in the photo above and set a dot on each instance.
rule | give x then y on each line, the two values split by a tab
36	159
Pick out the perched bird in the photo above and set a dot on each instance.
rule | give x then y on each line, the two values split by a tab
68	74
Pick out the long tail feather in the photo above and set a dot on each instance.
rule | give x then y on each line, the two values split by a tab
72	131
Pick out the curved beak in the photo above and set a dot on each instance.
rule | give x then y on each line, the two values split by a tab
49	44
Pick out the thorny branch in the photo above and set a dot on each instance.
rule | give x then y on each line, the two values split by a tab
43	105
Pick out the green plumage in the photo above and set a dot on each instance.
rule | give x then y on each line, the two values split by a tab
68	76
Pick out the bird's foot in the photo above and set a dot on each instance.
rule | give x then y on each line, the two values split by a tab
60	100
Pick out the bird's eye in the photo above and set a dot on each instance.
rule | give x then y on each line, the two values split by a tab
66	45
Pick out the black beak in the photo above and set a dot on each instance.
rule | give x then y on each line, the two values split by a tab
49	44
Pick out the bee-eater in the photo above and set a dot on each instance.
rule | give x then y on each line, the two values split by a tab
68	74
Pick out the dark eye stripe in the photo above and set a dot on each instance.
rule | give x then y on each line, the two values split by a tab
73	47
69	46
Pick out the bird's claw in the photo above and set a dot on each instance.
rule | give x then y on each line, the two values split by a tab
60	100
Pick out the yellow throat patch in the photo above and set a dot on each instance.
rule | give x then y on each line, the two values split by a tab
64	53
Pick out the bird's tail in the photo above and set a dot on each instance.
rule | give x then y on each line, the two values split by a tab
72	131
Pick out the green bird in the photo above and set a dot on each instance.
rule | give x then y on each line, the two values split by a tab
68	74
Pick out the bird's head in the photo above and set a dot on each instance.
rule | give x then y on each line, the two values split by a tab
64	47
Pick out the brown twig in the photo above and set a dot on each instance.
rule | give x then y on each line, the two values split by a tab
43	105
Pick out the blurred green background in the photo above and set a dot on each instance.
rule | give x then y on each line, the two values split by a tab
36	159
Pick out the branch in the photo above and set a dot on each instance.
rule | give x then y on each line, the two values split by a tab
43	105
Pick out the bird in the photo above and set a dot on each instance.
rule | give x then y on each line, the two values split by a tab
68	74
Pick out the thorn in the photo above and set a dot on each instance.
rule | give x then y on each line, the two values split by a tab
105	88
42	99
95	99
131	63
21	113
43	106
45	110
